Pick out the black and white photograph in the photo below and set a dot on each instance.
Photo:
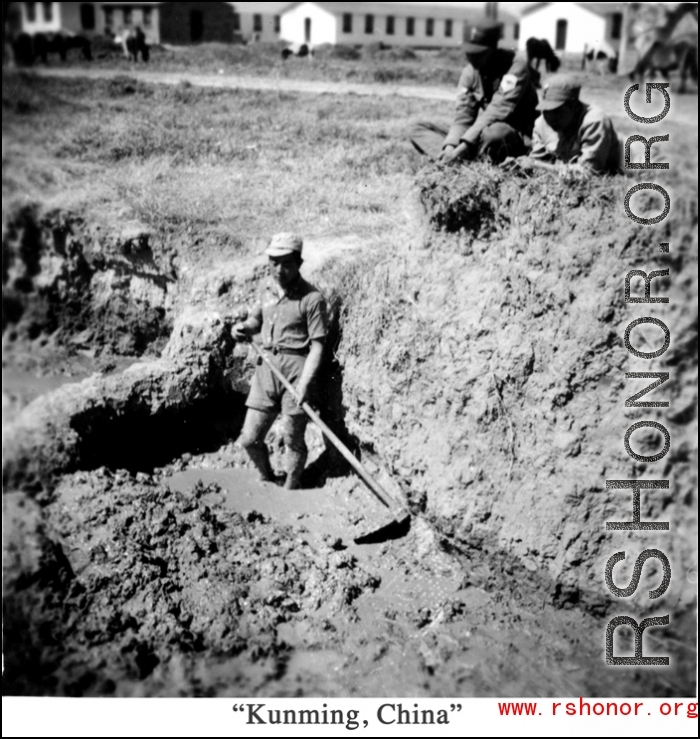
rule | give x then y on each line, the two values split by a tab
350	352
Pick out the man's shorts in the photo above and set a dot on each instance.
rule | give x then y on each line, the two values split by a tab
268	394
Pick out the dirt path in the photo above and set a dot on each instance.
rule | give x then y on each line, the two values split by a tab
609	98
275	84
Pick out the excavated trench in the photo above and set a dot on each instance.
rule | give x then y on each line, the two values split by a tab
478	370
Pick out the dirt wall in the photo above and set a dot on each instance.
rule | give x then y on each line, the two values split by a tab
89	289
485	364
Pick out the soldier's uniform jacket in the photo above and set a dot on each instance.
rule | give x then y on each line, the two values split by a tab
590	141
289	322
504	92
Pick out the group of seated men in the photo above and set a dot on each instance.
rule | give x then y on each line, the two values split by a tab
498	116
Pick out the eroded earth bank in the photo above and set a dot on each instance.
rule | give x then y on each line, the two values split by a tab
478	369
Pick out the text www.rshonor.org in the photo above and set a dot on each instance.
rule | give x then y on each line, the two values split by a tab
583	707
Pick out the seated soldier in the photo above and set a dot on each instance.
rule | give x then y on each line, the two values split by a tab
572	133
496	103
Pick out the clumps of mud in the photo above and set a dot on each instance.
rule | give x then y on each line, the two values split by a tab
128	581
85	289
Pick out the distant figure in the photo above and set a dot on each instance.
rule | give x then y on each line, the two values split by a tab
663	58
539	49
601	55
496	101
666	39
572	133
134	43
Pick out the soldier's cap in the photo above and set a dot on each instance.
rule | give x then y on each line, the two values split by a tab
284	243
559	89
481	37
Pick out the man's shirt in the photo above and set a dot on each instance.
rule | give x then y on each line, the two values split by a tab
292	320
590	141
504	92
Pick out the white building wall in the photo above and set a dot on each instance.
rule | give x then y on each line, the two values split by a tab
39	24
400	37
508	40
583	27
248	27
324	25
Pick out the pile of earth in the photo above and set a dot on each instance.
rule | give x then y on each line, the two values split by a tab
482	367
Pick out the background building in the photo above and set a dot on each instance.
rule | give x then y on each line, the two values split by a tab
570	26
259	21
426	26
423	26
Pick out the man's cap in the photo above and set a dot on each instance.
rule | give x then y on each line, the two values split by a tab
559	89
284	243
482	36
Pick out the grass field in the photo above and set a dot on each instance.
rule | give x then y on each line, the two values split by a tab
237	164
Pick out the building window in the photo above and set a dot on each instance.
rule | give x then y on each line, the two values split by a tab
128	16
448	28
347	22
31	12
616	30
278	23
369	24
109	17
87	16
48	11
516	31
429	26
257	23
410	26
147	17
390	25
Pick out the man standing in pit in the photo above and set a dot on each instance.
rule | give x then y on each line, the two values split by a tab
571	133
291	317
496	103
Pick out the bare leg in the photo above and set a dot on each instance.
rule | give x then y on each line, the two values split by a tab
252	438
294	427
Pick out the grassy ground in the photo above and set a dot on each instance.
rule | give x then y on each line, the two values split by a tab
238	164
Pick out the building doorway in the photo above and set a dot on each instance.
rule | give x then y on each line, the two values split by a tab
196	25
560	44
307	30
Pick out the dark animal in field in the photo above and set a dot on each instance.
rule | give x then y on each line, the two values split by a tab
679	54
301	50
23	50
540	49
134	43
601	55
28	49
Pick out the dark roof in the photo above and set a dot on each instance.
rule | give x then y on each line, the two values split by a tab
401	10
597	8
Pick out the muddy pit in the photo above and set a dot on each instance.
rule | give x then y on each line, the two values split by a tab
478	372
